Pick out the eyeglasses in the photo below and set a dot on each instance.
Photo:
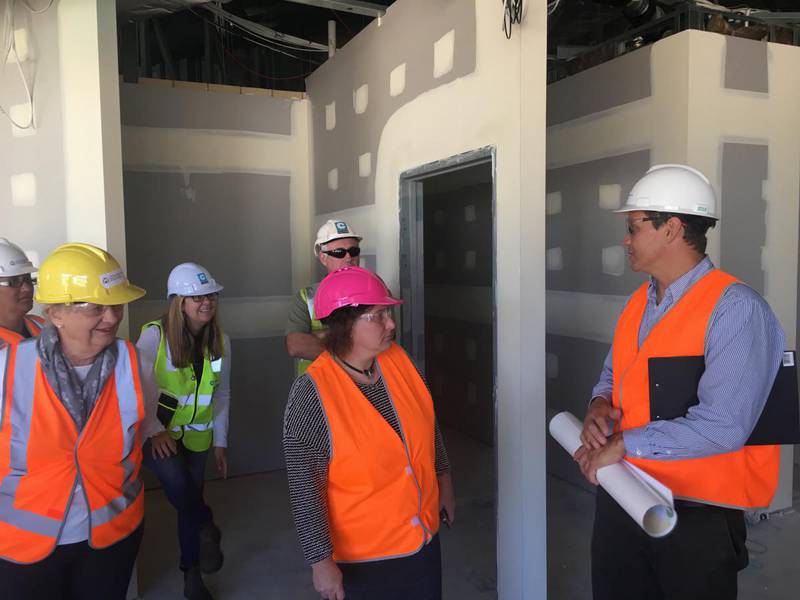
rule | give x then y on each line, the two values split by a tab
379	316
90	309
342	252
629	224
212	297
18	281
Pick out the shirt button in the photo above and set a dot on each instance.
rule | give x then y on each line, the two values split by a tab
408	471
415	521
638	452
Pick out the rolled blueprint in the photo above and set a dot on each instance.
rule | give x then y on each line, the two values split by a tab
644	498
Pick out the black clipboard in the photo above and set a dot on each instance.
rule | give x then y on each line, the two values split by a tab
673	390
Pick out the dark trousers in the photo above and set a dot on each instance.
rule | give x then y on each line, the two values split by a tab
418	576
182	475
699	560
74	572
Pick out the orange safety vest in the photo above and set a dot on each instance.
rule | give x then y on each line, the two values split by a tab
383	494
34	324
43	456
745	478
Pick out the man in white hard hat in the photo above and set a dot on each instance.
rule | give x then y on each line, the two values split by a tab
337	246
694	357
16	295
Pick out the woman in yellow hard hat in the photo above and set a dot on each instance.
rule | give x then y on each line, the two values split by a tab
72	419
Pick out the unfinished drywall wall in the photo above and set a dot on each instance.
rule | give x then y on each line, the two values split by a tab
231	194
375	75
702	84
500	104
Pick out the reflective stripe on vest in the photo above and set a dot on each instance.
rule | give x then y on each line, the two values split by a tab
383	493
43	456
33	323
745	478
307	294
193	421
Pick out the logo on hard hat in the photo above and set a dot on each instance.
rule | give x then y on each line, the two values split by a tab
341	227
202	277
109	280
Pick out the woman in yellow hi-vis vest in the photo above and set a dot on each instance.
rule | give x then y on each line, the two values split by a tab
369	478
192	363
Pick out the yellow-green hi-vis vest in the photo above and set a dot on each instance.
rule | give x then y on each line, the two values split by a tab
307	294
193	421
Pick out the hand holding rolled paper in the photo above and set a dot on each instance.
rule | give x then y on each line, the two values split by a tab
645	499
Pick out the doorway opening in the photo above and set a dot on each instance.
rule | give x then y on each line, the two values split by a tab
448	325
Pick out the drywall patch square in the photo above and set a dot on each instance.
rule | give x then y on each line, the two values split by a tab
610	196
333	179
361	99
21	45
551	365
614	260
330	116
471	349
444	53
21	113
23	189
469	213
397	80
554	259
365	165
553	203
470	259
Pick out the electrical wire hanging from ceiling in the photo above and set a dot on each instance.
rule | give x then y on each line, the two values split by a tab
9	48
512	15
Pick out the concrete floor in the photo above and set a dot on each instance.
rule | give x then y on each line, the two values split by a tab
773	545
263	558
262	555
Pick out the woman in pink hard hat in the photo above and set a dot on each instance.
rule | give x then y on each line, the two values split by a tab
369	477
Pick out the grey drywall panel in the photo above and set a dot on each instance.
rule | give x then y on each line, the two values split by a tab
458	236
459	367
574	369
38	226
235	224
261	378
403	38
605	86
582	229
743	227
746	66
143	105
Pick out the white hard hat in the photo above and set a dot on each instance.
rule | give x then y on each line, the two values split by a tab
190	279
675	189
333	230
13	260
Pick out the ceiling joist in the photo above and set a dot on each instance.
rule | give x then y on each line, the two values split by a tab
356	7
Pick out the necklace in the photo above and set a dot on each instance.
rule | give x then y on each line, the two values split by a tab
369	371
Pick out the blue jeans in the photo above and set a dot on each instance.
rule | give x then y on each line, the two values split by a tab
182	475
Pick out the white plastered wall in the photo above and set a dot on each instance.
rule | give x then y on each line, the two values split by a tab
501	104
207	151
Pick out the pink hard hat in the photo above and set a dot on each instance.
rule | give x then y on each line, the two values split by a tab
350	286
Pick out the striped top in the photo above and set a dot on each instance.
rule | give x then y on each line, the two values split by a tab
306	445
743	350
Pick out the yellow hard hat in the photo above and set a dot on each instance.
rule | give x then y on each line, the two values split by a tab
83	273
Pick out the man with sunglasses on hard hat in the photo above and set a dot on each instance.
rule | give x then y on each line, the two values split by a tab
336	247
16	295
694	357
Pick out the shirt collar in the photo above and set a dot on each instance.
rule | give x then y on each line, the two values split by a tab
678	287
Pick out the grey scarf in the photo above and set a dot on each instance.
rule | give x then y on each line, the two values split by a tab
77	397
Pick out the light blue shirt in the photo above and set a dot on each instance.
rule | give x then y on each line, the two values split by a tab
744	347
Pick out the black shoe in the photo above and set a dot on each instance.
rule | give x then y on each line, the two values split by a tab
193	586
211	557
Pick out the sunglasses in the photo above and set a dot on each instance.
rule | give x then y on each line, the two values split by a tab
212	297
18	281
342	252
